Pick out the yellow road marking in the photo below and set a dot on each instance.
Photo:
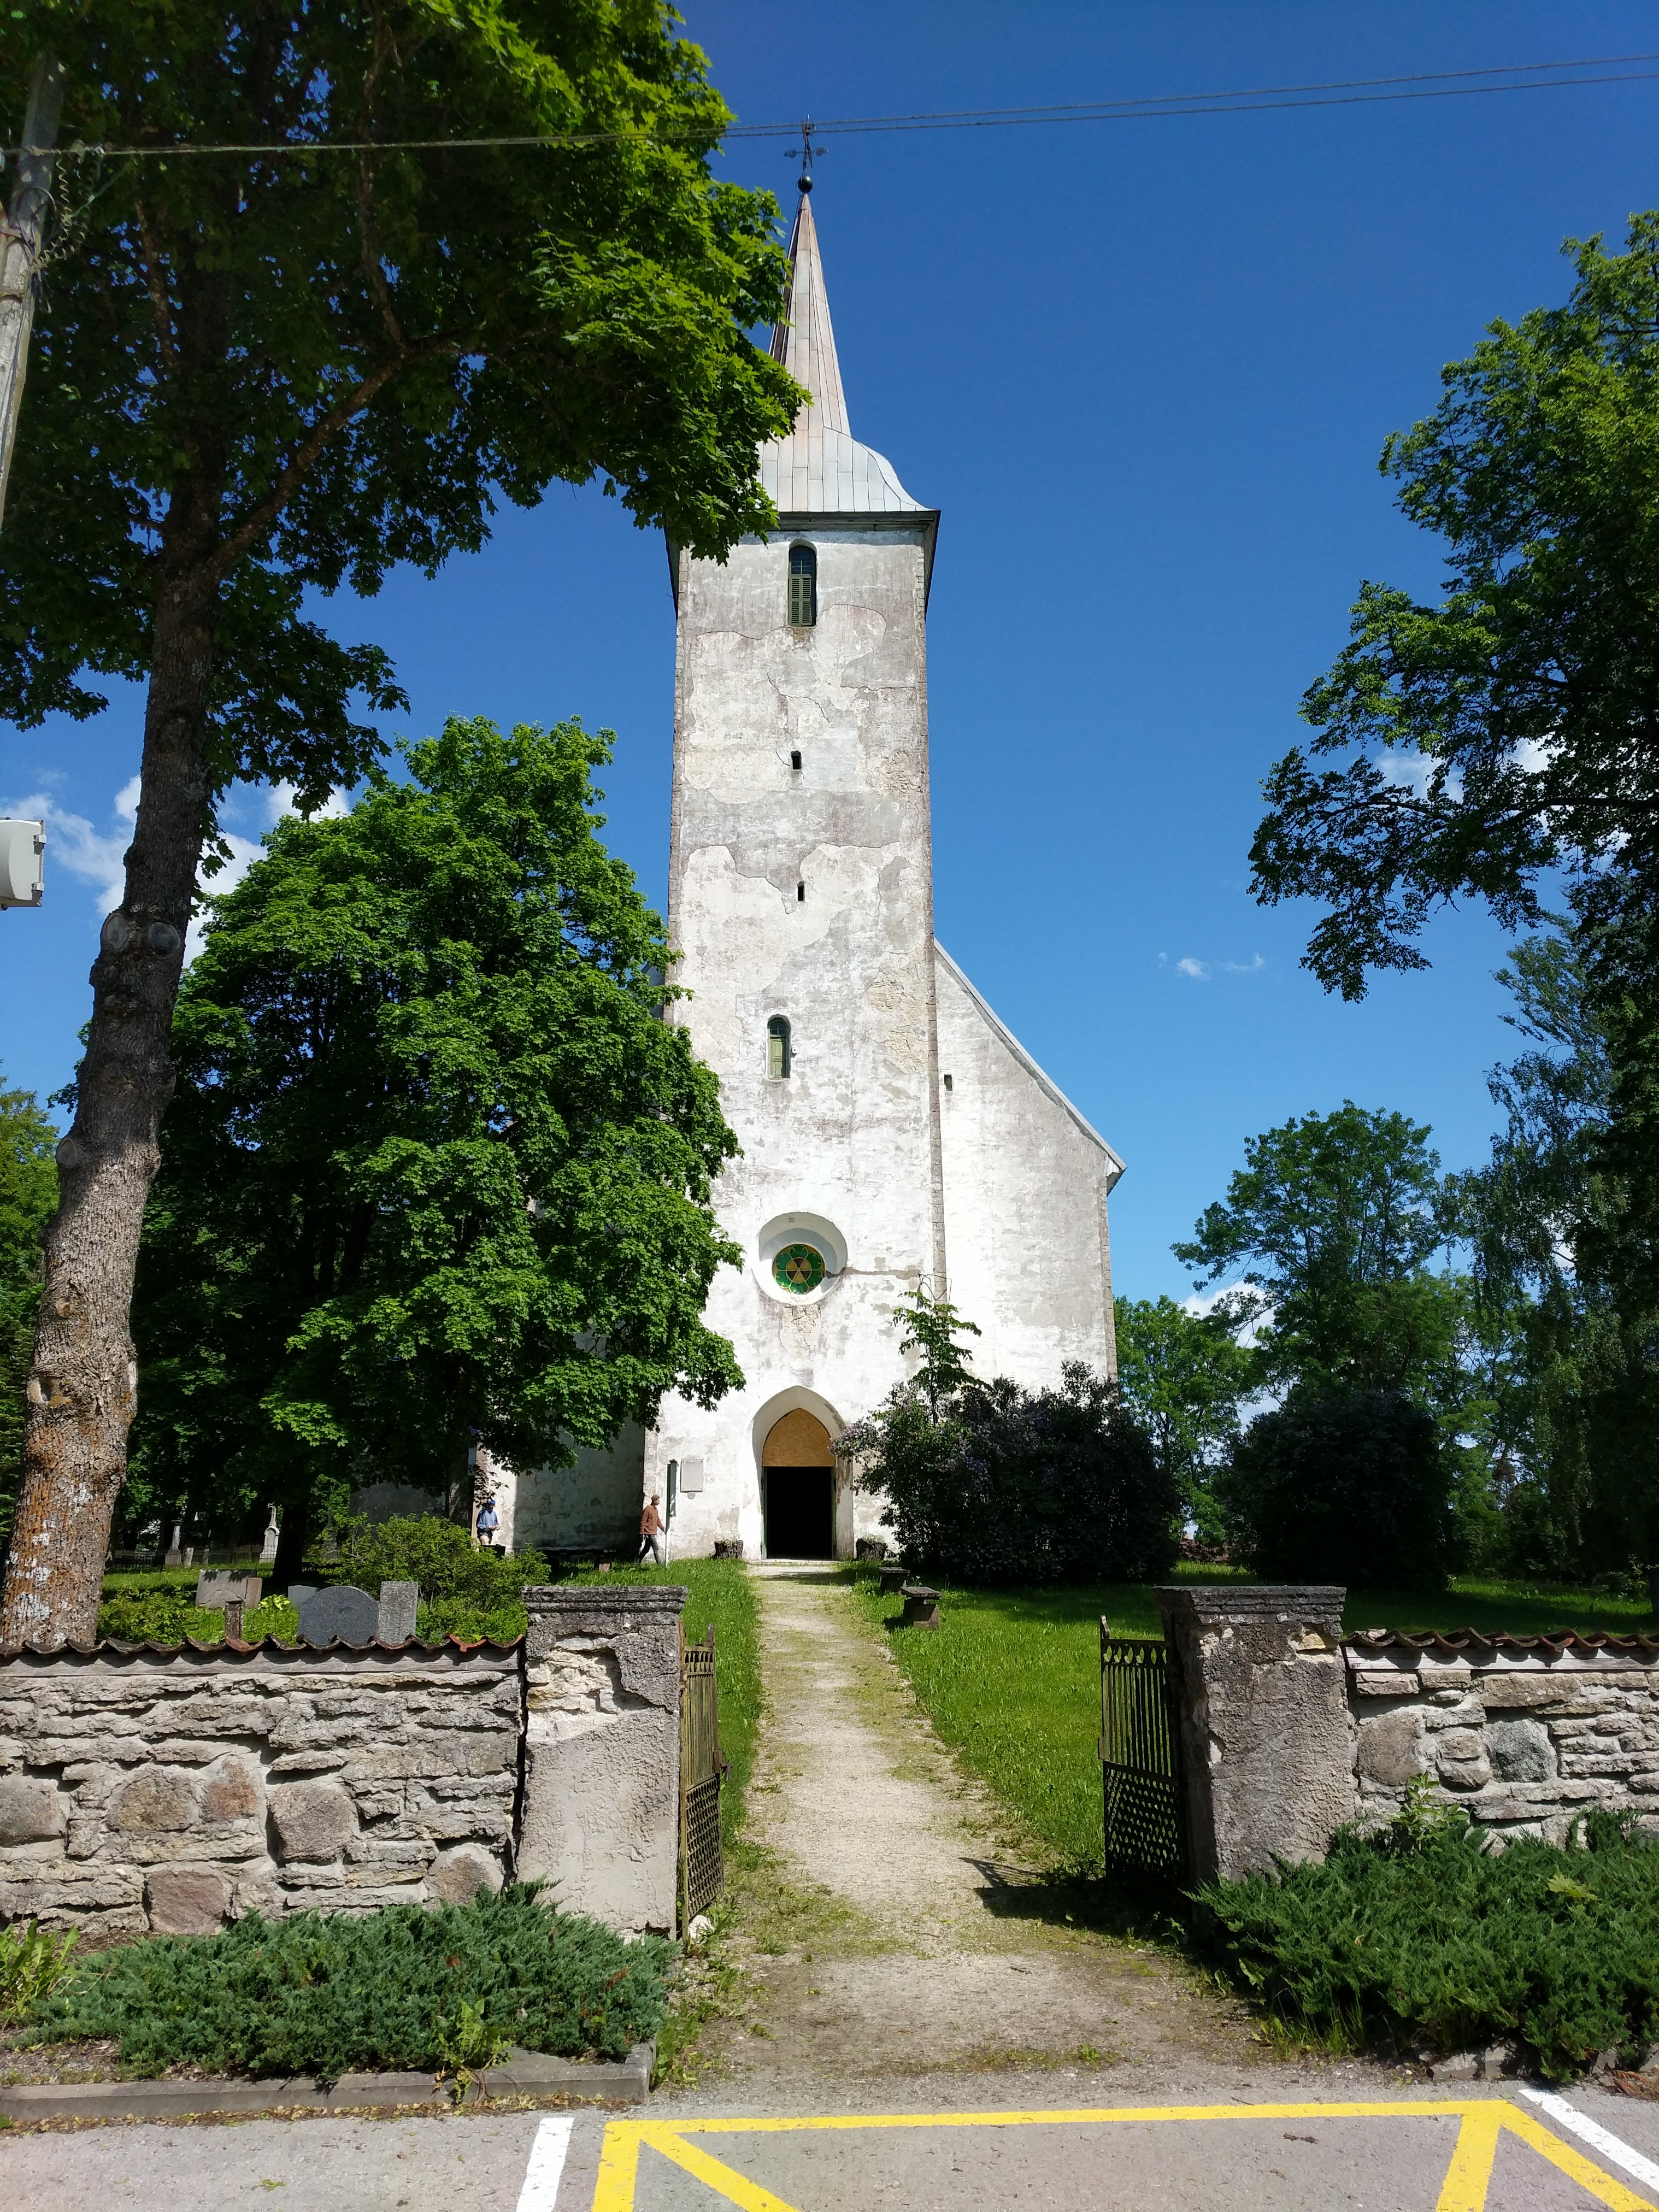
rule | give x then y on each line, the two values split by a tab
725	2180
1573	2163
1469	2175
1482	2121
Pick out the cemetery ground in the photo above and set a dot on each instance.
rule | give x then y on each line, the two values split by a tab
916	1991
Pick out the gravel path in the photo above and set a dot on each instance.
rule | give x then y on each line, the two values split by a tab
896	1924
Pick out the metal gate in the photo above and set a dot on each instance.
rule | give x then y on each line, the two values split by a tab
1140	1754
702	1876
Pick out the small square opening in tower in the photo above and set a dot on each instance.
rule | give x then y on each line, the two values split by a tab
795	762
800	894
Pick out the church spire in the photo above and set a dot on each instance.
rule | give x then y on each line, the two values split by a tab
818	467
806	343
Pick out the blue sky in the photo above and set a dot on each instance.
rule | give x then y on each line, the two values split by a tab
1145	370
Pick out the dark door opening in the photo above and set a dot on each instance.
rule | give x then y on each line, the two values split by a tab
799	1513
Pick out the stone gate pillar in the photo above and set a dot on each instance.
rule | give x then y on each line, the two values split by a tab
1265	1729
599	1817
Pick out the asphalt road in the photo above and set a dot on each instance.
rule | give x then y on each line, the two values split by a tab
1413	2152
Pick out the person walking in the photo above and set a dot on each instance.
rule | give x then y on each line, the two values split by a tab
651	1532
488	1522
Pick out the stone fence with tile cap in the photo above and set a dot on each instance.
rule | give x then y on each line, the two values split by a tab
176	1788
1289	1730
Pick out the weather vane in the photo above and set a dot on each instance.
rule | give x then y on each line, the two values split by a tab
808	152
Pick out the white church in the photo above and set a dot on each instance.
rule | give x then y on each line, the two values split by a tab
893	1133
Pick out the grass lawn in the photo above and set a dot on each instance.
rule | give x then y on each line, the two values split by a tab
1012	1678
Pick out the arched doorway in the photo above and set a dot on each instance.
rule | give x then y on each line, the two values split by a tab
798	1495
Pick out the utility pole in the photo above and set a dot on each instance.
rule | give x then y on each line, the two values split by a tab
20	249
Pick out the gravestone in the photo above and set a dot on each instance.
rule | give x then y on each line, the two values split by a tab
218	1587
220	1591
273	1535
343	1614
396	1612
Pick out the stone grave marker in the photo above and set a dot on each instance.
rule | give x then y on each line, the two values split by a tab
345	1614
396	1613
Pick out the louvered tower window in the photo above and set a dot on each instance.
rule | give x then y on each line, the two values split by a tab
777	1046
803	587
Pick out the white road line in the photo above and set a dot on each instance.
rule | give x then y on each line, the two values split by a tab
1600	2138
541	2176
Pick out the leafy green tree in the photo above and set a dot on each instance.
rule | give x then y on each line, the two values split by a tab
1511	729
28	1191
438	1171
1559	1223
289	364
1183	1376
1331	1223
931	1327
1344	1486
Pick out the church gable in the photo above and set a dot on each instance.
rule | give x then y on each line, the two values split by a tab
1026	1180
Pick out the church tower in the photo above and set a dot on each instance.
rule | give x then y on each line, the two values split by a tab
894	1135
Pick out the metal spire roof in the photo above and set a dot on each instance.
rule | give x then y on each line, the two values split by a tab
820	468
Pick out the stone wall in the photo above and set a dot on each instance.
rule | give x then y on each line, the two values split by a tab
1526	1737
1288	1731
174	1791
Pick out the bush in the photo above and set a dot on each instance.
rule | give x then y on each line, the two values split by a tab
999	1485
464	1591
32	1963
1349	1487
1418	1935
169	1615
405	1987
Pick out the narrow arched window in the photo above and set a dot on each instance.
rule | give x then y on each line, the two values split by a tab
778	1054
803	587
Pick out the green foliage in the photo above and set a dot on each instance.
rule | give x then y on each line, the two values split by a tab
1562	1223
994	1484
405	1987
931	1327
1332	1222
1342	1486
464	1591
251	379
435	1170
1506	731
1183	1376
28	1193
169	1616
1417	1936
32	1961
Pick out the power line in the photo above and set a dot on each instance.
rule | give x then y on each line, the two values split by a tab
1342	92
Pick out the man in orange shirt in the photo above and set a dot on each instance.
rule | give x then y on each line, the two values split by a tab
651	1532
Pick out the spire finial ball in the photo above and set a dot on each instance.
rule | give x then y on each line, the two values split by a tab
805	182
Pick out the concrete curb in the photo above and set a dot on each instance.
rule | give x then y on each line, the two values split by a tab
525	2074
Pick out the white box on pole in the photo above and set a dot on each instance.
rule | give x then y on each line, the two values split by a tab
22	858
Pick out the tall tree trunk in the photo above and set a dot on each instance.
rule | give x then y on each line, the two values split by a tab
81	1386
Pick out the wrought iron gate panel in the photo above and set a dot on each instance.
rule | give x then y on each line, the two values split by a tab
703	1874
1140	1754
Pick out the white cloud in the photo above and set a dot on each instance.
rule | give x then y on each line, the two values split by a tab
1205	971
280	801
99	857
